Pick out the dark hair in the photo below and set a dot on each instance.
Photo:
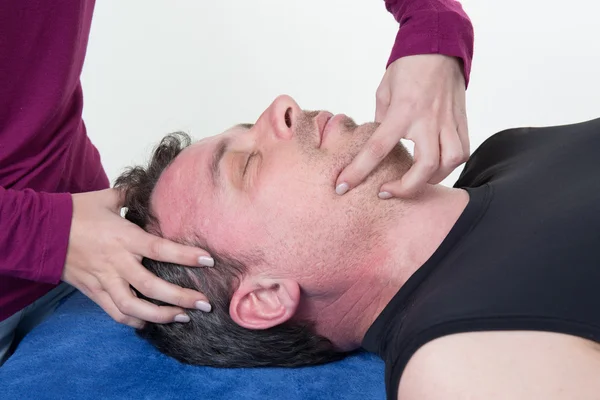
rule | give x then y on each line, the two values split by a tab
212	339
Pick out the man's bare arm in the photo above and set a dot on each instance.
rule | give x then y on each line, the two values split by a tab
504	365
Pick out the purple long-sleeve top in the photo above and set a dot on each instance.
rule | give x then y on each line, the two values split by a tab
45	153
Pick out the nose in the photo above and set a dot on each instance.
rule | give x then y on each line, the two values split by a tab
281	116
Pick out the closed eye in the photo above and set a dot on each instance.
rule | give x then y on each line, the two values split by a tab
250	157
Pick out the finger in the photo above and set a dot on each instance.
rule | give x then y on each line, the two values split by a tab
379	145
382	103
381	110
132	306
104	300
451	155
155	288
427	158
160	249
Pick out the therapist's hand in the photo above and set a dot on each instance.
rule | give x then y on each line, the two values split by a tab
421	98
104	258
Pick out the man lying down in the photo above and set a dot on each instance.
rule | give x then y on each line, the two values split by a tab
489	289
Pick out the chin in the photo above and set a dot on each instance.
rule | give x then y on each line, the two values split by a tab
351	139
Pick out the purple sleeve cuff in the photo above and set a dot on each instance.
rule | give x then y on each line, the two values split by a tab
57	239
34	234
432	31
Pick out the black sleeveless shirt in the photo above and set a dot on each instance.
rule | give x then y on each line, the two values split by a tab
524	254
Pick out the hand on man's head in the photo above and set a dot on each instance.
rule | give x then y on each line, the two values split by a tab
104	259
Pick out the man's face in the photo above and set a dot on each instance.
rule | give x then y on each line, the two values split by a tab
268	188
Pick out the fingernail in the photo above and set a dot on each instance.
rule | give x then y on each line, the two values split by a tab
385	195
206	261
203	306
342	188
182	318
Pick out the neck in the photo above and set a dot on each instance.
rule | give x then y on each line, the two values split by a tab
404	244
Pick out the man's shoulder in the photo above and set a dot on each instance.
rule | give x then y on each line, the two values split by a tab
513	150
501	365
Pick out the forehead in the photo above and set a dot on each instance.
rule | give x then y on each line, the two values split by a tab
185	184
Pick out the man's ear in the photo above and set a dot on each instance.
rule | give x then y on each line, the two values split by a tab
261	303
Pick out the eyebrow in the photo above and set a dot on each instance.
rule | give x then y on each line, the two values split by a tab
219	152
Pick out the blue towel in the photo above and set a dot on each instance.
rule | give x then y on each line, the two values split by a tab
81	353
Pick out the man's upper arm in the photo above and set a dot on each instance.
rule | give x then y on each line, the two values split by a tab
503	365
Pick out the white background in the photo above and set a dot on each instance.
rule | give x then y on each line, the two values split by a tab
157	66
